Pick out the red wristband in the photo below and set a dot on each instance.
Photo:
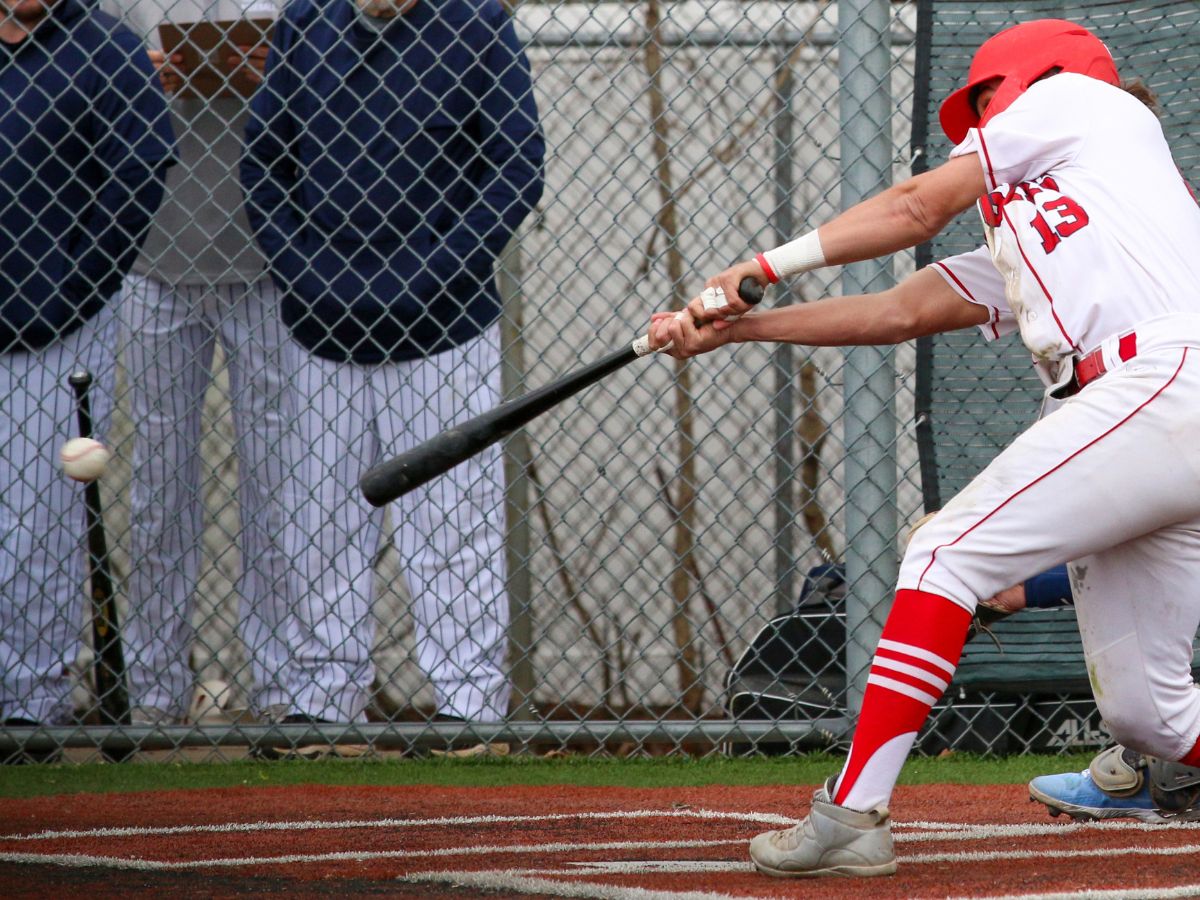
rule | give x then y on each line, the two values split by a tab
767	270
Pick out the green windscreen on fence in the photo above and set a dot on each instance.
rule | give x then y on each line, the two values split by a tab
973	398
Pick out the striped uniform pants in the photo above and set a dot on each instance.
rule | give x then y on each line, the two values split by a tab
170	336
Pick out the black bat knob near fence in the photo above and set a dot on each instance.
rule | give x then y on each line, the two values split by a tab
397	476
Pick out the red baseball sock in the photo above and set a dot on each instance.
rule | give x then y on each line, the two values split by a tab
922	641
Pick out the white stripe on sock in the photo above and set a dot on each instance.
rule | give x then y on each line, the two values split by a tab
883	662
917	653
901	688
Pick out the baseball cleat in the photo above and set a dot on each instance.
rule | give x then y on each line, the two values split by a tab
1078	796
832	840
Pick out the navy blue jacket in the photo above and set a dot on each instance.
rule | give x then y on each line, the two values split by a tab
384	172
85	140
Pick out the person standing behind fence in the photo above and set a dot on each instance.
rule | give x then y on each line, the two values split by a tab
198	283
392	151
84	142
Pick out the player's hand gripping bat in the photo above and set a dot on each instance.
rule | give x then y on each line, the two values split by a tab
397	476
109	664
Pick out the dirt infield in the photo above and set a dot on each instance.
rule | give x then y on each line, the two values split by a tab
953	841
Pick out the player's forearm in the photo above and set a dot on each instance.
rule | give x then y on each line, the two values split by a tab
859	320
896	219
924	303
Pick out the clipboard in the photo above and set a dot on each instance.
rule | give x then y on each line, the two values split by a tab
206	47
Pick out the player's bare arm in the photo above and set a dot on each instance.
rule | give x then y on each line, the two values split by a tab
900	217
922	304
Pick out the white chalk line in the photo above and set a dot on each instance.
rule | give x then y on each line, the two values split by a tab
115	862
997	855
1160	893
534	881
927	830
652	866
938	831
1118	825
453	821
80	860
507	881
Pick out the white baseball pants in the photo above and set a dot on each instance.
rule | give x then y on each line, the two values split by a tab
43	563
1111	481
450	533
170	334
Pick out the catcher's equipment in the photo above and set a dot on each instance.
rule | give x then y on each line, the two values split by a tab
1020	56
1174	788
1118	771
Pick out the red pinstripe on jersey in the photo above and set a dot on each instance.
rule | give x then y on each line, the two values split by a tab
987	158
991	174
1038	278
995	313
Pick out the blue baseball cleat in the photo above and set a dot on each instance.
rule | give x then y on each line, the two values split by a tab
1078	796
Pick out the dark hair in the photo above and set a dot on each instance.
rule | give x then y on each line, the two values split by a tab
1138	88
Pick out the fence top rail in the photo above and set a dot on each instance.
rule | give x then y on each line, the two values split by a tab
690	23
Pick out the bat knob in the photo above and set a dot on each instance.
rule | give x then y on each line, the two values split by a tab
750	291
80	379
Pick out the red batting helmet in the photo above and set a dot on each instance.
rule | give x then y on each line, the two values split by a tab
1020	55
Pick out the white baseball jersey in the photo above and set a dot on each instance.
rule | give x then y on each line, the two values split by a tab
1093	243
1109	241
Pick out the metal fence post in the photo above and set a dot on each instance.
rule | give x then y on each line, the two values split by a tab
783	403
864	63
516	491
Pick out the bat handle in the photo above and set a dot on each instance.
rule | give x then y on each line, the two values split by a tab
80	380
748	289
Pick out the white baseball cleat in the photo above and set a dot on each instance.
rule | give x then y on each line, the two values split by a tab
832	840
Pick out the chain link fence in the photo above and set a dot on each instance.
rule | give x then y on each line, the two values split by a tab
685	557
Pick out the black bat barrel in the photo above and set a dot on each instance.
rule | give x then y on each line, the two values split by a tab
397	476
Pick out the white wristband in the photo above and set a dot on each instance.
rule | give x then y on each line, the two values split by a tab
801	255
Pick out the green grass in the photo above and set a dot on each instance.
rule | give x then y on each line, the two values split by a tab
29	781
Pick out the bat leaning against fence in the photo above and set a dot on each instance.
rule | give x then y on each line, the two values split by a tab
395	477
109	665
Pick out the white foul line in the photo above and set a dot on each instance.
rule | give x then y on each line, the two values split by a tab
929	831
527	882
507	881
80	860
241	827
1045	853
1160	893
986	832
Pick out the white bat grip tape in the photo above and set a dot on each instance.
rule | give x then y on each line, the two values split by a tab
642	346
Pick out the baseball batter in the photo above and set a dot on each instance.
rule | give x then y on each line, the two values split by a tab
1091	254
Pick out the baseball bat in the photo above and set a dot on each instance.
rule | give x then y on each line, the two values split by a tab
109	665
395	477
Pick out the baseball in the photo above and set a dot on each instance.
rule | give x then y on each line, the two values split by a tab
84	459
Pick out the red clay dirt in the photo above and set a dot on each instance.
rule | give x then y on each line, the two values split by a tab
604	842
